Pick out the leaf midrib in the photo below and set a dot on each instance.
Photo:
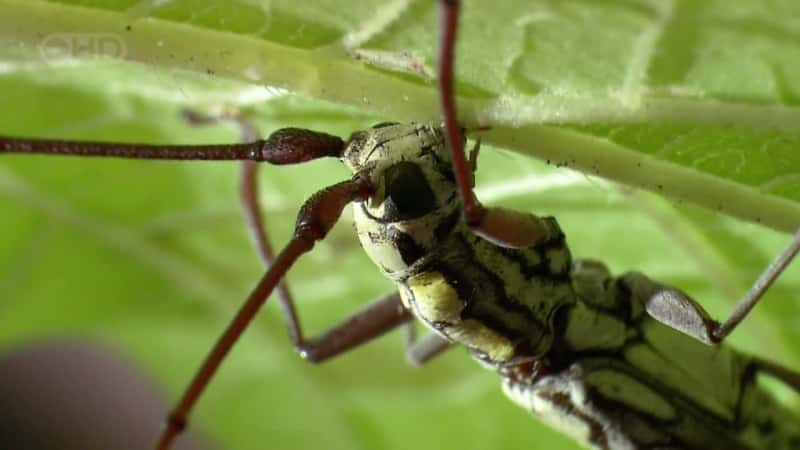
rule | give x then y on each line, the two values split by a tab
516	121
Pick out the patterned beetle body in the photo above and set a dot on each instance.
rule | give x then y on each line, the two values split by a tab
605	372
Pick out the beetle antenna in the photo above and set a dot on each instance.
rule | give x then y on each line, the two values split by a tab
281	147
316	218
473	213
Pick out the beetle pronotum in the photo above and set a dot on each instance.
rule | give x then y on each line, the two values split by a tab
361	190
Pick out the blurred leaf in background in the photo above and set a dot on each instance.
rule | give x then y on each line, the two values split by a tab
693	100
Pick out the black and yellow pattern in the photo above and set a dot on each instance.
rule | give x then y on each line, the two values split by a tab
597	366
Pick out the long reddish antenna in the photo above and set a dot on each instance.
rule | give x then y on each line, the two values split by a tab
315	219
281	147
473	212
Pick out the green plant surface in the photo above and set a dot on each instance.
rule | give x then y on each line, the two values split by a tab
695	101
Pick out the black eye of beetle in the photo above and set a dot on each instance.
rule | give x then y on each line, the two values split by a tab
408	195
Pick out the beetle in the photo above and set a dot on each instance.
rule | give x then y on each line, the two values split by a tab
451	128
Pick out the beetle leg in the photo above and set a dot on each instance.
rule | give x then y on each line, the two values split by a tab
376	319
676	309
316	217
679	311
248	193
516	229
247	131
788	376
420	351
668	305
761	285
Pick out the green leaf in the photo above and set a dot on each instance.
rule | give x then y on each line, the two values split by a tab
693	100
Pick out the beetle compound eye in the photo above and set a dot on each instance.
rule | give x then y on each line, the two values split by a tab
408	195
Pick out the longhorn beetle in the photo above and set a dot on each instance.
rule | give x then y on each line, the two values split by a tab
617	363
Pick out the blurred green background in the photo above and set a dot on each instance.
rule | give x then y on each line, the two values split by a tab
153	258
